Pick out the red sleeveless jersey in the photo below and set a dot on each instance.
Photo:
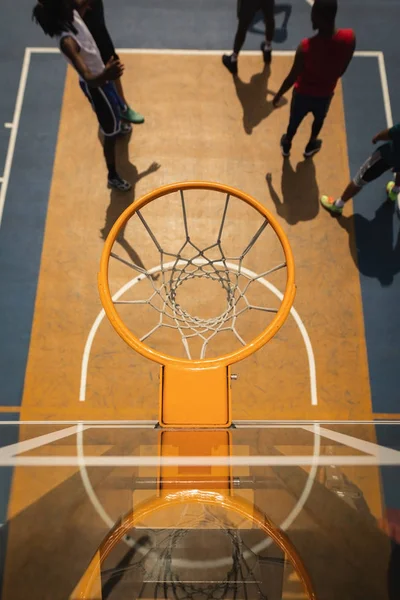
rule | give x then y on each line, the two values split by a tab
324	62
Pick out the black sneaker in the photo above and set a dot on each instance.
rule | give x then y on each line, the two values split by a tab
117	183
286	146
230	64
312	148
267	53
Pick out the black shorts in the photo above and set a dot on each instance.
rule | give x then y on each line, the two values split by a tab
107	105
373	168
303	104
247	9
95	22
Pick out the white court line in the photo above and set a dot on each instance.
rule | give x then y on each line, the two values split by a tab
243	424
104	423
8	125
380	452
385	90
43	50
191	52
261	280
199	461
8	452
14	130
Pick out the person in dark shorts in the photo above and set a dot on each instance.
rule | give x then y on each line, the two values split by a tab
319	63
59	20
246	12
385	158
95	22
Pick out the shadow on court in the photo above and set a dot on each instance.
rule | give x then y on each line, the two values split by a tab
281	32
119	201
253	98
300	196
373	248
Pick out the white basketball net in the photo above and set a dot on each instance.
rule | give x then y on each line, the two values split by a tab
176	269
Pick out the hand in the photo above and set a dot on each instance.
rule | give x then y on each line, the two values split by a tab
276	101
375	139
82	6
154	167
113	69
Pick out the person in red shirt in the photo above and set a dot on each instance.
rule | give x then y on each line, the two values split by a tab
319	63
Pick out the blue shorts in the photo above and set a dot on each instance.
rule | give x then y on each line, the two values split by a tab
107	105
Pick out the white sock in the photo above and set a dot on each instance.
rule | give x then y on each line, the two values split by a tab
339	203
234	57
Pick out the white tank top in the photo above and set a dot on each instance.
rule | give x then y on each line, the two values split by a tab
88	47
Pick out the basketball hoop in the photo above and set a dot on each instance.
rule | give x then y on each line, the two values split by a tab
197	378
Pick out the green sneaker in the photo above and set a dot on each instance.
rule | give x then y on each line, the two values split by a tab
132	116
391	195
329	203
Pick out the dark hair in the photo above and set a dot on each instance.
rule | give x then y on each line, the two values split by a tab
326	9
54	16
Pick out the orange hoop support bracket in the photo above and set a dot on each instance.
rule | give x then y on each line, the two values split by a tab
195	393
90	580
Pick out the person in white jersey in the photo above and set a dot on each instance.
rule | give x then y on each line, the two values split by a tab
60	20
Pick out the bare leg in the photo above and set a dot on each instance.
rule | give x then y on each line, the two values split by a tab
351	191
336	206
373	168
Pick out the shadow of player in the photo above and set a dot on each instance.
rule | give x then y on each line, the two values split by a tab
281	32
300	195
372	243
122	570
253	98
119	201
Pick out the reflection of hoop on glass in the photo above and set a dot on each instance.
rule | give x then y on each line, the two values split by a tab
236	505
205	381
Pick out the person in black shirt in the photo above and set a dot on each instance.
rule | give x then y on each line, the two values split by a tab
246	11
95	21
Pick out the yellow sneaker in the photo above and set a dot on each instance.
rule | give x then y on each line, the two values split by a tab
391	195
329	203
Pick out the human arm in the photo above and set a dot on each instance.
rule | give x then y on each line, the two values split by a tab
113	69
382	136
296	70
82	6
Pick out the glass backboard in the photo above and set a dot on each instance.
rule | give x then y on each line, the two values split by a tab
332	489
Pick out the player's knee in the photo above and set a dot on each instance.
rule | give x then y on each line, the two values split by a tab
359	182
